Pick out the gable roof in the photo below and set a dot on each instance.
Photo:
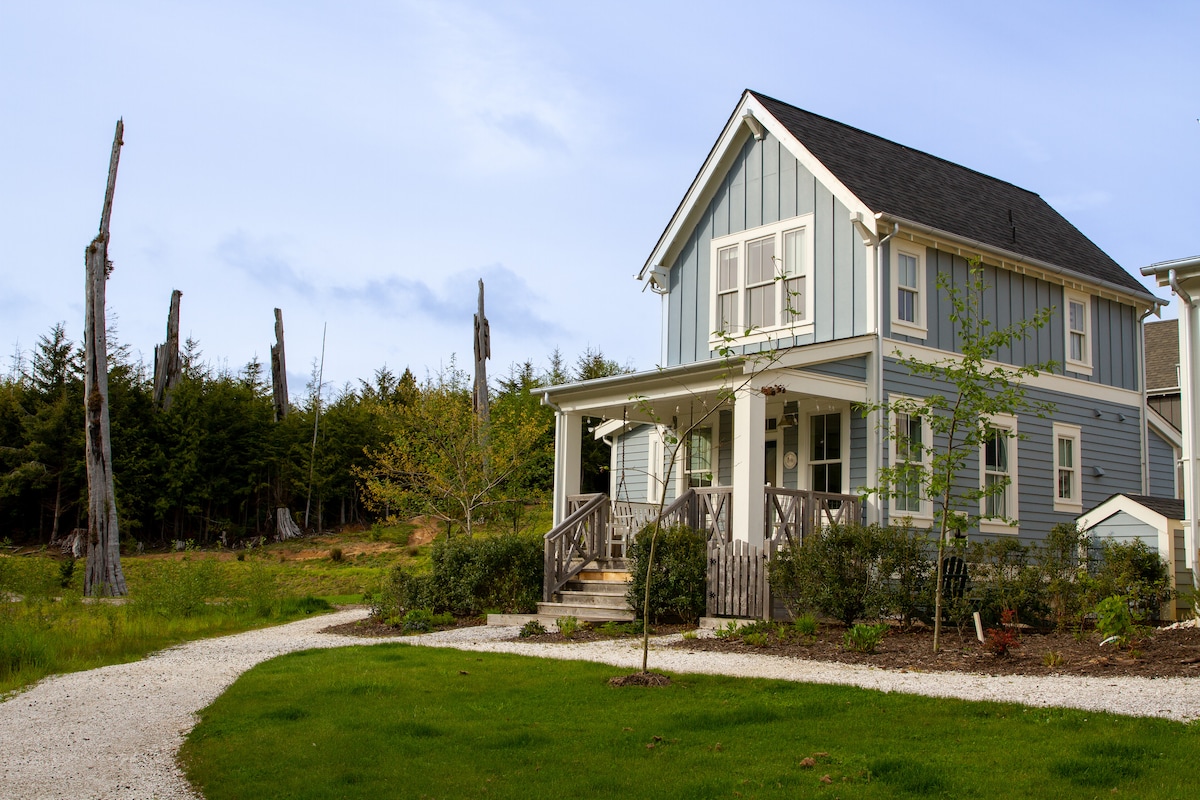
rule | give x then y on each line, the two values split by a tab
898	181
1168	508
1162	355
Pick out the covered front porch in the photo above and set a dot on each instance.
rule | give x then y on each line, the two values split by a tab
754	459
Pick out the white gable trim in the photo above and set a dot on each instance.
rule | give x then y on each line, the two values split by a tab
1165	430
1115	505
718	162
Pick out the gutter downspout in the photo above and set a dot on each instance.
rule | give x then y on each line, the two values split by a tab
1144	433
879	306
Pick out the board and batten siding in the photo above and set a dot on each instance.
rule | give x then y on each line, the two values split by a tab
1162	466
1106	441
1010	297
766	184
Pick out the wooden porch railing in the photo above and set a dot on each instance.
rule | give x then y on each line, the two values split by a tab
705	508
793	514
579	539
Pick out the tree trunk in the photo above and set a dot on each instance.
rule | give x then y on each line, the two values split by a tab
104	575
285	526
166	358
279	390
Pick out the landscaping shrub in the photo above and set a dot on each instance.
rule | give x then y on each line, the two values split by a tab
179	588
501	572
1062	563
1114	621
1133	571
401	591
677	585
846	572
1004	576
467	576
864	638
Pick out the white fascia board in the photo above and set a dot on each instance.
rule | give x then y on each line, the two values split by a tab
1183	267
1164	429
809	354
1117	504
705	184
1080	389
1021	264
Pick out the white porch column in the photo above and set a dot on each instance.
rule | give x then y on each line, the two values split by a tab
1189	385
749	422
568	455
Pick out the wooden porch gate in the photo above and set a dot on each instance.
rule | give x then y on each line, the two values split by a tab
737	580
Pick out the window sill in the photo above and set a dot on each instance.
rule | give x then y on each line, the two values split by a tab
764	335
917	520
998	526
1078	367
1069	508
901	328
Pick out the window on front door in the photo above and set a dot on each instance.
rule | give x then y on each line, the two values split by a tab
825	453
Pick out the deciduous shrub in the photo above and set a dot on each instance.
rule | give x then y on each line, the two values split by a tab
677	588
853	572
467	576
1133	571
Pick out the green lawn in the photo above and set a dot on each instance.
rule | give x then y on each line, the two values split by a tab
400	721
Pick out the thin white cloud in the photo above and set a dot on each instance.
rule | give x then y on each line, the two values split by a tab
263	263
1080	201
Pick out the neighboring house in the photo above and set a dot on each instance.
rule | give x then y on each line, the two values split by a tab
816	247
1157	521
1165	414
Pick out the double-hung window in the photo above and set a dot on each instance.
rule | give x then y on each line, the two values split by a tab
825	452
760	284
908	296
1078	326
998	475
1067	483
699	458
910	438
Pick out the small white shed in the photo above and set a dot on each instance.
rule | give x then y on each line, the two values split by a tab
1157	521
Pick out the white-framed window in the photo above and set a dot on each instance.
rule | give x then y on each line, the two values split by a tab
908	290
761	284
1077	328
1068	487
828	442
698	465
909	452
998	476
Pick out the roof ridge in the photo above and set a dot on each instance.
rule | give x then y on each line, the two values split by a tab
840	124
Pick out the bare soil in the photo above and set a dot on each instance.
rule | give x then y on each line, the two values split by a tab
1163	653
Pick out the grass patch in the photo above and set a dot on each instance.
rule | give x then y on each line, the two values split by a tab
393	720
52	630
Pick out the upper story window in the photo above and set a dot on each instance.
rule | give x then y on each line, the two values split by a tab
1078	328
761	281
908	290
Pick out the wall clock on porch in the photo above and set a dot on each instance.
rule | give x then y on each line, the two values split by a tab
789	460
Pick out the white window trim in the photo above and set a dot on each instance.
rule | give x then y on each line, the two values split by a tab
918	328
1012	496
804	444
925	513
741	239
711	472
1074	433
1083	367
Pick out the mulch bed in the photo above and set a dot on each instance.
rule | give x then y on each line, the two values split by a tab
1164	654
371	628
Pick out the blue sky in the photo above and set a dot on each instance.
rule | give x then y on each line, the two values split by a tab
362	164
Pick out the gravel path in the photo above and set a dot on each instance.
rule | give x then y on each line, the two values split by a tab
114	732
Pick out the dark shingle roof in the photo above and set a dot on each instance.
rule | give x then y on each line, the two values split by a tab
1169	507
906	183
1162	355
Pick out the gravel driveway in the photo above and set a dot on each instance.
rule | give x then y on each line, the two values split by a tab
114	732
